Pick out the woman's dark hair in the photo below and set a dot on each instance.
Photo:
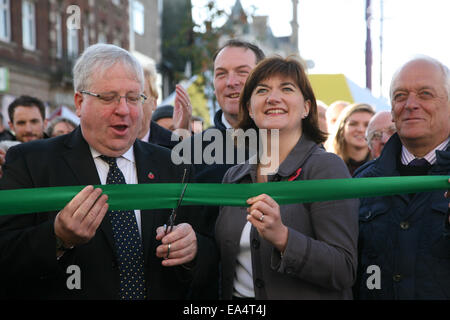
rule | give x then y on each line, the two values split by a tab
289	67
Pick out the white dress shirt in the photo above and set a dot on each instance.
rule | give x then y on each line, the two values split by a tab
407	156
225	122
127	165
243	277
147	135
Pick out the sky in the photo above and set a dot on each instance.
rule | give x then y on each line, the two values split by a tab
332	33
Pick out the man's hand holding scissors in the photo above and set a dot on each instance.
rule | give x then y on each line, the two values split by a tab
178	247
178	242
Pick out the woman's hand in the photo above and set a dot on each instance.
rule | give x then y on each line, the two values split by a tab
264	215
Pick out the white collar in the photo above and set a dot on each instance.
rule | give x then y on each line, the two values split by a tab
225	122
407	156
146	136
129	155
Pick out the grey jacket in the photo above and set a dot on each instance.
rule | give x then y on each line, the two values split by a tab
320	259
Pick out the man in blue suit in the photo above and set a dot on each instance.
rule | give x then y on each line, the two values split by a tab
404	245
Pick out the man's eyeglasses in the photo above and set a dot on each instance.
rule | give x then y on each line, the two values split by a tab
378	134
132	98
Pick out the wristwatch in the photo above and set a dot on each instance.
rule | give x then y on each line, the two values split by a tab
60	245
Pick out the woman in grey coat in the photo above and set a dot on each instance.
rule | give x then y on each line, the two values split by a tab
296	251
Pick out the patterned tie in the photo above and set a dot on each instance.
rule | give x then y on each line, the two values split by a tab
422	162
127	241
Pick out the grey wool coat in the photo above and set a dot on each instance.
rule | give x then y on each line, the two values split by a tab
320	259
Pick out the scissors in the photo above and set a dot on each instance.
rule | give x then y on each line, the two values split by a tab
169	225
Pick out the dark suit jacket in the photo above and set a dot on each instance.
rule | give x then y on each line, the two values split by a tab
28	264
6	135
161	136
210	173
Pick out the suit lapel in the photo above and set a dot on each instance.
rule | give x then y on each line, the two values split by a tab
79	158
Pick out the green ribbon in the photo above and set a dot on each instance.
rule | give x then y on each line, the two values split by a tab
166	195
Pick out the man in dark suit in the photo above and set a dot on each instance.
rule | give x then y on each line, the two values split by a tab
39	252
404	243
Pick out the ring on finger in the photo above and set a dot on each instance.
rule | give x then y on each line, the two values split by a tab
168	251
261	218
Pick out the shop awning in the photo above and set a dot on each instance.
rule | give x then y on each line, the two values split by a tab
65	112
333	87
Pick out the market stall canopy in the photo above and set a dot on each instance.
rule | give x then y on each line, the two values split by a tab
65	112
333	87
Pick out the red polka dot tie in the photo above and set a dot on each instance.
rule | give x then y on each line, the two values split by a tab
127	242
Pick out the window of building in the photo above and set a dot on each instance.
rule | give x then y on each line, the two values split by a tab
5	21
72	43
86	41
117	42
28	25
59	36
102	38
138	17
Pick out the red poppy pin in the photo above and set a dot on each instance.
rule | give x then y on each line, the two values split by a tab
295	175
151	175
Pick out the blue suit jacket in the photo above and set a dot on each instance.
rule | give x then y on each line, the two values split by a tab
406	236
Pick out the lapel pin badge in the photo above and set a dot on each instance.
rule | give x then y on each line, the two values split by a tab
151	175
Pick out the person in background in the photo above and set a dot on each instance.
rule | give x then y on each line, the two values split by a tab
333	112
232	63
163	117
407	235
5	134
322	113
60	126
2	160
27	118
196	124
380	129
296	251
349	138
152	132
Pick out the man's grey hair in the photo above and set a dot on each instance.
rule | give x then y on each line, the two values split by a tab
99	58
445	71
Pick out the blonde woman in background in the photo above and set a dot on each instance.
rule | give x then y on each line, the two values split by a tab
348	138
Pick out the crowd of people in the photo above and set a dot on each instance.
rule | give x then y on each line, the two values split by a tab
266	250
